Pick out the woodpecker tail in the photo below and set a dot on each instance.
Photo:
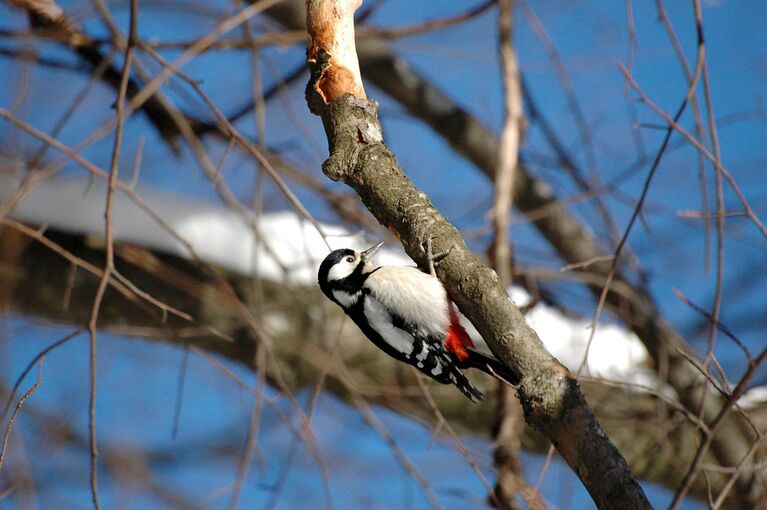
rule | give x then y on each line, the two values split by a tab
466	387
490	366
458	342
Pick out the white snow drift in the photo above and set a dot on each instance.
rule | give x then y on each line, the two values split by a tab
289	248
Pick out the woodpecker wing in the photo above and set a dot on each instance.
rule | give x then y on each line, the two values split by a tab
412	297
412	329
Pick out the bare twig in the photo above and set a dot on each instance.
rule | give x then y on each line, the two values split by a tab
109	264
635	214
443	423
31	364
721	327
700	130
12	420
720	207
426	26
714	425
575	110
672	122
401	457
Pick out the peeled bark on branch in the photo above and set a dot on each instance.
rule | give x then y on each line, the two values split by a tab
331	49
551	399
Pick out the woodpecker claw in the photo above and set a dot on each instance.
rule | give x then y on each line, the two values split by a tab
434	259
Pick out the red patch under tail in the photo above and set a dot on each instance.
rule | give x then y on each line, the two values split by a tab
457	341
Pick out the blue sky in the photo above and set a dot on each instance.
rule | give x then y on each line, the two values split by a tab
591	37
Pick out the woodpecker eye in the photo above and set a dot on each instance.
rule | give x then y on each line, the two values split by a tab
349	259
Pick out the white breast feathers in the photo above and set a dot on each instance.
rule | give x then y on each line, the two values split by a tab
417	297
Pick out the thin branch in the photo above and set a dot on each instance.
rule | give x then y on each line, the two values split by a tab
247	146
12	420
31	364
702	149
401	457
109	264
508	148
128	289
624	238
695	465
720	207
426	26
698	126
721	327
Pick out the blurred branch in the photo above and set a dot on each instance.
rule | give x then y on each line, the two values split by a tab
426	26
510	481
46	17
109	259
34	278
15	413
508	148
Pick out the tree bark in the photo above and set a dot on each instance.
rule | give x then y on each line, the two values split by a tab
551	399
571	240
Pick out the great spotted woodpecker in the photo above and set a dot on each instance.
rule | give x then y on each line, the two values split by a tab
408	315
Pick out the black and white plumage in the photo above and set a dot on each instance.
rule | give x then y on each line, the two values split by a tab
408	315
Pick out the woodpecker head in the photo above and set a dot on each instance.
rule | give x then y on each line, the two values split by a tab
345	270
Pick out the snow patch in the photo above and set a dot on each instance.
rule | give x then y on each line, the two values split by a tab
754	397
279	246
289	248
615	354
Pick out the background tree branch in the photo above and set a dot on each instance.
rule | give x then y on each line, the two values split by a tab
210	315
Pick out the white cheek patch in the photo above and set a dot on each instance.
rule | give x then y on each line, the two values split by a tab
380	320
346	299
341	270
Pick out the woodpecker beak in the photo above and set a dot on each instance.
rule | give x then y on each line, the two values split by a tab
371	252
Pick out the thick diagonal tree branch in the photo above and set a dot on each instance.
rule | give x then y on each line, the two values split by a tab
571	240
473	140
551	398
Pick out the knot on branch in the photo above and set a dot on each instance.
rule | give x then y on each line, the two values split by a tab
545	397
